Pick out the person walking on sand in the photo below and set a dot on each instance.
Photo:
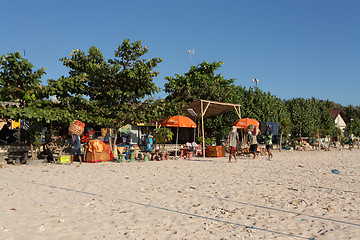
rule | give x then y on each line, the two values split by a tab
233	139
252	141
351	142
149	142
76	149
268	142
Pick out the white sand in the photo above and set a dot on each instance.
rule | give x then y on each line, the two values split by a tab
294	196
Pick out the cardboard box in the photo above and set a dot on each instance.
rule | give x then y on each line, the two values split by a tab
64	159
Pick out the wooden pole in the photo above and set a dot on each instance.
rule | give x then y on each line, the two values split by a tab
202	127
177	136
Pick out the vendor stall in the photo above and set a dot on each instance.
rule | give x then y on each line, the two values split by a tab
98	151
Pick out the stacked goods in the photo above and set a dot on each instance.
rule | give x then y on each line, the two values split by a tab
77	127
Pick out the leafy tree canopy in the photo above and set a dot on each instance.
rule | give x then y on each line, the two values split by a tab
107	92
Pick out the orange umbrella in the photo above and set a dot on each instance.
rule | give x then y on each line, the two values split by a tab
178	121
245	122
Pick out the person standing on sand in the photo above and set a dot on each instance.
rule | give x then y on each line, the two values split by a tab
252	142
233	139
76	149
351	142
268	142
149	142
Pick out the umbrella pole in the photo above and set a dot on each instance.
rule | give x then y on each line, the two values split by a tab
177	135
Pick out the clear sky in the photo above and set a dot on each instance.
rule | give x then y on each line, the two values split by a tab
296	48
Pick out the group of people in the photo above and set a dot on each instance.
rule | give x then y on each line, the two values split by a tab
251	139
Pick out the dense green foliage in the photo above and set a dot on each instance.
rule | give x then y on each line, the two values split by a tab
163	135
108	92
20	84
118	91
310	117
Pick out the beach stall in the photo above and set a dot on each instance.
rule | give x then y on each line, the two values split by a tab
178	122
206	108
98	151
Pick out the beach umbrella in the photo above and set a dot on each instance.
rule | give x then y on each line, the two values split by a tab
178	121
243	123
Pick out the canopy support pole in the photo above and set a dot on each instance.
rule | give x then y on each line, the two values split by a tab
177	136
202	123
238	112
202	128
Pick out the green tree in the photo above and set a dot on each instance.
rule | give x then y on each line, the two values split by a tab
353	127
163	135
20	83
285	127
108	92
352	112
310	117
201	82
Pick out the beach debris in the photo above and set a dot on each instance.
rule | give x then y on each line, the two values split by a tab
329	208
89	203
298	201
4	229
42	228
294	189
61	220
13	209
335	171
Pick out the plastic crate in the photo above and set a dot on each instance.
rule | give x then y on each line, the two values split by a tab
64	159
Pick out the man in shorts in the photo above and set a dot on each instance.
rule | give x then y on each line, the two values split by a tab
232	140
76	149
268	144
252	141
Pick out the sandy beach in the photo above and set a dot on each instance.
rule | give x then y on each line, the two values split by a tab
293	196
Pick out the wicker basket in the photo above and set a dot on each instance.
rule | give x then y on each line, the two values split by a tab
77	127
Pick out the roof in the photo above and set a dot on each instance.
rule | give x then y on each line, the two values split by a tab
210	108
336	112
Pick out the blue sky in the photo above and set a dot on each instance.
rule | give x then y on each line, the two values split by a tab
296	48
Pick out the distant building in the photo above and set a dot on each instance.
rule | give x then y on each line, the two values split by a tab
340	119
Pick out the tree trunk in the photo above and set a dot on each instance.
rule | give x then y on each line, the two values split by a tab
113	150
318	140
280	140
114	147
32	151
